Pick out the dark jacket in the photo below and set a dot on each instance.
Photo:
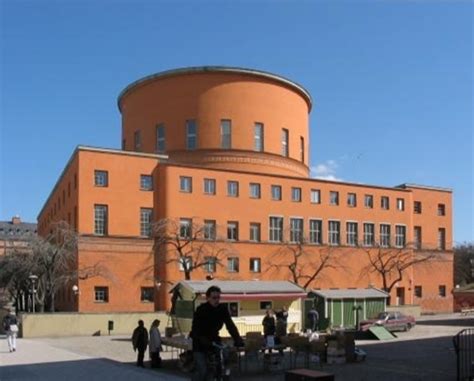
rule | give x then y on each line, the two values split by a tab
207	322
313	315
9	320
140	338
268	325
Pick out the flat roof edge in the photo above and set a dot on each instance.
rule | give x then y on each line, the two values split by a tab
217	69
428	187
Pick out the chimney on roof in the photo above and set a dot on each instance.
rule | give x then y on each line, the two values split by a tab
16	220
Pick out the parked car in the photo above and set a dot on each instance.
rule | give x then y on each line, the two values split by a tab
393	321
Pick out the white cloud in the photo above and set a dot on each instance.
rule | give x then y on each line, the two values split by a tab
326	171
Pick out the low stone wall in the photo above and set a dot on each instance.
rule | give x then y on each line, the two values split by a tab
407	309
85	324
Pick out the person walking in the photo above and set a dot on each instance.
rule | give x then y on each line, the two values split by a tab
155	344
269	328
10	326
208	320
140	342
313	317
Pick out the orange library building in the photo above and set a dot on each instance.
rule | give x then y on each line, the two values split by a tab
224	151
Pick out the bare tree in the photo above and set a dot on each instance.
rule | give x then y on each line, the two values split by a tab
391	263
305	262
189	245
464	263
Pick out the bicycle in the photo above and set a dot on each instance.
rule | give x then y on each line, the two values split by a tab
218	362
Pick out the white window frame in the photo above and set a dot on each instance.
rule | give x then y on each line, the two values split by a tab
333	198
146	220
369	236
275	228
185	261
255	232
334	232
315	196
369	201
352	199
400	235
232	188
418	237
210	230
209	186
255	265
226	133
191	134
296	229
385	202
296	194
316	232
255	190
233	264
278	189
185	184
352	233
401	204
146	182
185	228
258	130
232	230
384	235
101	178
285	138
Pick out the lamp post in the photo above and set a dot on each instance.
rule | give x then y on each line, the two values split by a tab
33	278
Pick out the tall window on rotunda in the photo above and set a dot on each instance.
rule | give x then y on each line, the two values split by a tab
226	134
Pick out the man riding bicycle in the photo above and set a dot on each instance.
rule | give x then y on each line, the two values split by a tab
207	321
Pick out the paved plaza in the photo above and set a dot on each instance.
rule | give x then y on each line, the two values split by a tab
424	353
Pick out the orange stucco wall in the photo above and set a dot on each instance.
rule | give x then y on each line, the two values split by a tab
208	98
133	262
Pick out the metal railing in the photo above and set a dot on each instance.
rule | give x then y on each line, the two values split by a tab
464	346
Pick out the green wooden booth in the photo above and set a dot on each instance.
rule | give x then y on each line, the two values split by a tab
340	307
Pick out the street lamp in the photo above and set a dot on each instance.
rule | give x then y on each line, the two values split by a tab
33	278
75	289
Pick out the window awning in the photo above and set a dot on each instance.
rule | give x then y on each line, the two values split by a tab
266	296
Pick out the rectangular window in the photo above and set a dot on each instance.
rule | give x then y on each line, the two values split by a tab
417	207
254	232
146	183
233	188
101	178
185	263
351	233
284	142
384	235
315	196
385	203
185	184
232	230
418	291
191	134
441	210
400	235
266	305
302	149
296	194
137	140
441	239
210	186
226	134
100	219
276	192
400	204
369	232
352	200
124	144
442	291
334	198
210	230
233	264
276	229
258	137
146	294
369	201
210	264
316	232
334	232
255	265
417	238
185	228
146	216
101	294
296	230
160	138
254	190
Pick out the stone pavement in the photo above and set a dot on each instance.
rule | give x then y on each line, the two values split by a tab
424	353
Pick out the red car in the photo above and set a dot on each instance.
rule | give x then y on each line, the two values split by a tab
393	321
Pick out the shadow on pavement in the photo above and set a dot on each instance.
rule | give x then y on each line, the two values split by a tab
448	322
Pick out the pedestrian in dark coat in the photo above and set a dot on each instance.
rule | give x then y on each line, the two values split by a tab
140	342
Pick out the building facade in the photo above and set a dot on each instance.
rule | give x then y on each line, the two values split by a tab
224	151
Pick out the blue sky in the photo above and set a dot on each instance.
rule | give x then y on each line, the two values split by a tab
392	82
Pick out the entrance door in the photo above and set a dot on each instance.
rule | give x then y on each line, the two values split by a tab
400	296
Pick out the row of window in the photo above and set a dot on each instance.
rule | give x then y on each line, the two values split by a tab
225	131
276	232
210	188
60	201
101	179
418	291
101	294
